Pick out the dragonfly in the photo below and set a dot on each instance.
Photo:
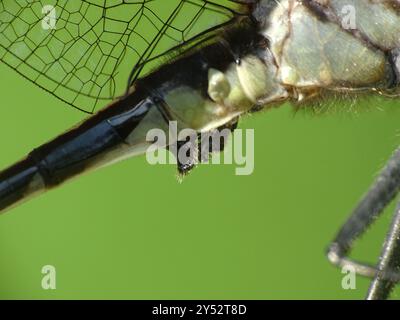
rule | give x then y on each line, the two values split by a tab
251	56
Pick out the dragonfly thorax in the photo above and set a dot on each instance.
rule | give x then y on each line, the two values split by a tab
330	46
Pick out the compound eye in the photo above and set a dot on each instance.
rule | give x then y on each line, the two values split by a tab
218	85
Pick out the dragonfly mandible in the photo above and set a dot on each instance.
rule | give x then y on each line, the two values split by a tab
253	55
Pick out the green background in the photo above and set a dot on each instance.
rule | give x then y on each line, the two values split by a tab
131	231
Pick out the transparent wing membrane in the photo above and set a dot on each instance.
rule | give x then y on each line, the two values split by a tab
85	51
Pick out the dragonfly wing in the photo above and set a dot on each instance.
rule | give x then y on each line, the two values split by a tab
84	51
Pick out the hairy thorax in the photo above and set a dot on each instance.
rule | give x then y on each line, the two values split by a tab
336	45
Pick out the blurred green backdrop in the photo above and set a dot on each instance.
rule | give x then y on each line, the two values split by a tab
131	231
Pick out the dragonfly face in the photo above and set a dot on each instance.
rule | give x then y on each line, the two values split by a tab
252	56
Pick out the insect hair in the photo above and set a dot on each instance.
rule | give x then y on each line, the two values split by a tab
342	102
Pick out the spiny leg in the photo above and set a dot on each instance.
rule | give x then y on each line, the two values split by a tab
389	262
368	210
214	141
187	162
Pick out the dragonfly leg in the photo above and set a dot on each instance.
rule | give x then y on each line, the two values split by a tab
389	260
190	160
368	210
213	141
